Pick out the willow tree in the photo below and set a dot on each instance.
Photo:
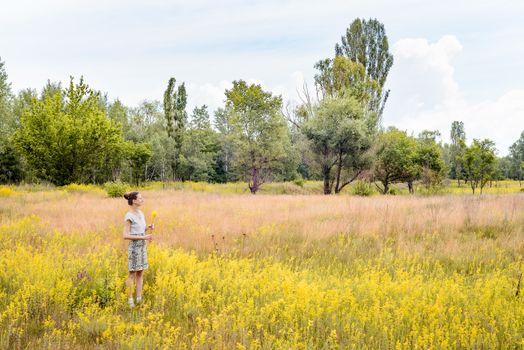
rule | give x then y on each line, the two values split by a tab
341	127
341	133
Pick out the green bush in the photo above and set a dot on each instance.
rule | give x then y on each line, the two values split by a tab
115	189
362	188
393	191
299	182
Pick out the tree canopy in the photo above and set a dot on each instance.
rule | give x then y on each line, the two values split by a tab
260	131
480	163
66	137
341	133
365	42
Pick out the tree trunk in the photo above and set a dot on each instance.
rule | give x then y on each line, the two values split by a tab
339	170
254	187
386	187
173	168
226	165
410	187
357	174
326	171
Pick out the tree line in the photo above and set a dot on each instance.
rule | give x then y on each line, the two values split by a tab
75	134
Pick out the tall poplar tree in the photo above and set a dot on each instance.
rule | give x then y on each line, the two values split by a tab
175	101
458	146
366	42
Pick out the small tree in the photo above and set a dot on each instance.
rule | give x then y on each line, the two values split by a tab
260	131
480	163
396	159
200	149
429	159
137	155
66	137
504	168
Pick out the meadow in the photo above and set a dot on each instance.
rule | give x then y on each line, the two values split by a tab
285	269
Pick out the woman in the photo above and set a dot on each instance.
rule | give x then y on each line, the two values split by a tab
134	230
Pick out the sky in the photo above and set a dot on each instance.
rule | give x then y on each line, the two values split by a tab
453	60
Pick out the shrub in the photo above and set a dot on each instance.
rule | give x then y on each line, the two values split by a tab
362	188
299	182
116	189
6	191
393	191
82	188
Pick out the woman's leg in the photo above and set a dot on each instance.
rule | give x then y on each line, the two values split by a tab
131	280
139	283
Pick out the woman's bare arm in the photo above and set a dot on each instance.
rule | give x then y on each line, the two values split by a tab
128	235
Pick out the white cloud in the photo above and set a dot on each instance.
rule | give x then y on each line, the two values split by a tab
212	95
426	95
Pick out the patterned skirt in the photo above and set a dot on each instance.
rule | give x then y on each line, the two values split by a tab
137	256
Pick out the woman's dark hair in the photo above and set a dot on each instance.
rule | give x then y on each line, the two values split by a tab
131	196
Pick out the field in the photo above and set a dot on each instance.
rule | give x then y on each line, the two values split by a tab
230	270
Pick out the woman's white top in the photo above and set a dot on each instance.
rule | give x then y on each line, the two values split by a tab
138	222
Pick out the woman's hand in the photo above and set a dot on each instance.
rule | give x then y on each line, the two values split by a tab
148	238
151	227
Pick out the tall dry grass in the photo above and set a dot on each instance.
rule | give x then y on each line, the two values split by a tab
444	225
